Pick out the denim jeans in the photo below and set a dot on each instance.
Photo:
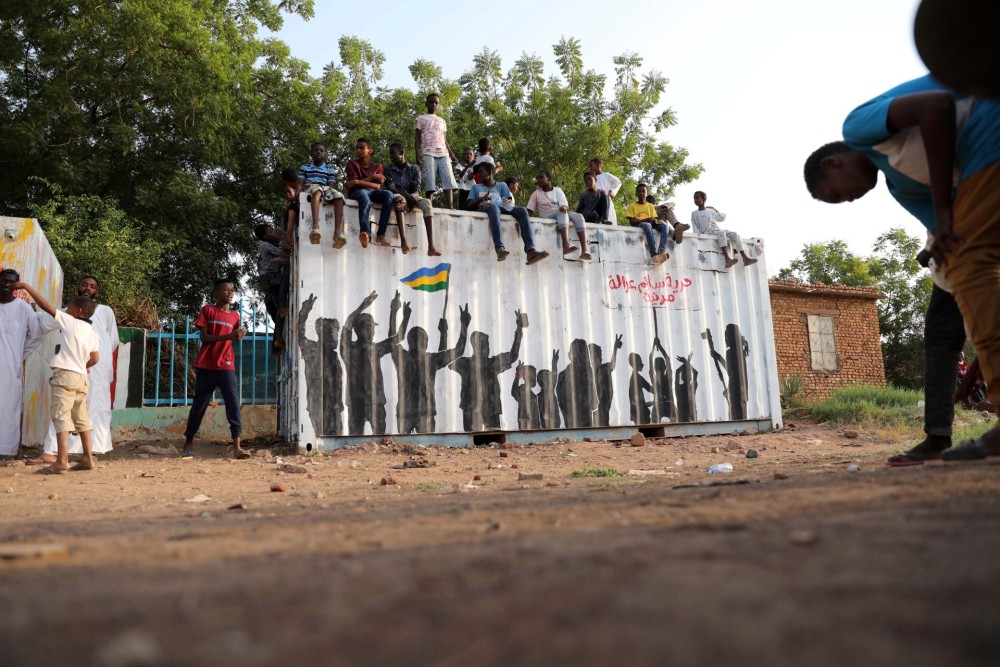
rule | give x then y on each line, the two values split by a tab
647	229
944	336
205	385
365	198
520	214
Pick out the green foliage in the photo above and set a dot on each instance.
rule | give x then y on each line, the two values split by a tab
597	472
790	390
869	406
181	115
905	289
91	236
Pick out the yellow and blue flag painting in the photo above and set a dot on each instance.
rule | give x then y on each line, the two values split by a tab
432	279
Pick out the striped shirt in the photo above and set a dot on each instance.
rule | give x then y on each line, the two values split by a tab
320	174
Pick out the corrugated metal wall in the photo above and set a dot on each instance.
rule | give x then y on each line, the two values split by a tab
25	249
572	309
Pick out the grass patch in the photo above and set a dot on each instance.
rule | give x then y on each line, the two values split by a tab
597	472
865	405
970	424
429	486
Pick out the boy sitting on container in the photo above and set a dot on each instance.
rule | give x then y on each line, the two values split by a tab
642	214
705	220
316	179
488	197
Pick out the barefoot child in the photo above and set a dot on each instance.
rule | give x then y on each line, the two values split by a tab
403	181
464	175
550	202
215	367
316	179
434	151
705	220
79	349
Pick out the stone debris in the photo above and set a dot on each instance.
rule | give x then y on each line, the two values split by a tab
646	473
637	440
388	481
529	476
200	498
237	506
732	445
780	475
752	454
850	434
854	467
277	488
716	450
288	467
418	463
504	455
53	496
157	451
28	550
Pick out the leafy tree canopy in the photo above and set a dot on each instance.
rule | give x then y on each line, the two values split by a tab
180	115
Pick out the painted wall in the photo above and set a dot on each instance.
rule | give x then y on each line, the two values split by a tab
613	343
168	424
23	247
130	368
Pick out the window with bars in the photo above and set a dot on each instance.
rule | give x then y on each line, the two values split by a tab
822	345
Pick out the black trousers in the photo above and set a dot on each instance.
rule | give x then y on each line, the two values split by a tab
205	386
944	336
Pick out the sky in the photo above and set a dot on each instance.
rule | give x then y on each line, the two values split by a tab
756	86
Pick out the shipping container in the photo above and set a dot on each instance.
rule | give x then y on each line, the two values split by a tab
462	348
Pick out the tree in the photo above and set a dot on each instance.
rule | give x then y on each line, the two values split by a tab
904	286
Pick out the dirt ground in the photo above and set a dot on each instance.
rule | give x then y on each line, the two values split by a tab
813	553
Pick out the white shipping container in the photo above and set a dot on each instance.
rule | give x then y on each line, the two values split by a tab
608	346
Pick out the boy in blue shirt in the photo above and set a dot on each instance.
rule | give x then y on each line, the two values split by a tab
940	154
489	197
316	179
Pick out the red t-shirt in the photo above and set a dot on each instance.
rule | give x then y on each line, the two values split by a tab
357	172
217	356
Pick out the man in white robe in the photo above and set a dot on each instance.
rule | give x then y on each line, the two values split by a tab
607	183
99	398
20	334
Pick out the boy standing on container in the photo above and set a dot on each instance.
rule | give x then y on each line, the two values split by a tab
607	183
218	326
593	204
316	179
434	152
79	349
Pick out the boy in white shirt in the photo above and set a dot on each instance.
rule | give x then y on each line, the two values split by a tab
550	202
705	221
434	151
607	183
79	348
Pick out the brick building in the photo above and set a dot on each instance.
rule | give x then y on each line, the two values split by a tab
827	334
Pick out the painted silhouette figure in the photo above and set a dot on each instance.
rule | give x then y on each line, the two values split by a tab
416	369
324	374
686	384
366	394
734	382
661	377
637	386
604	382
548	405
576	390
528	410
480	393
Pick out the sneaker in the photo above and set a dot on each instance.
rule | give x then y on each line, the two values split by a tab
535	256
749	261
363	238
502	255
339	242
732	262
679	230
659	258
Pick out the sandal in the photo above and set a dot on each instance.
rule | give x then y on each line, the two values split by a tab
242	454
916	455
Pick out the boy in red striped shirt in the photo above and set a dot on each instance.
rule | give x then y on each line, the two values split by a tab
219	326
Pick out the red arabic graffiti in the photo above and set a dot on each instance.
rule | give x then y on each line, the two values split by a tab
654	292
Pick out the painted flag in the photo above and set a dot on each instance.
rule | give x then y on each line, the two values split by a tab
432	279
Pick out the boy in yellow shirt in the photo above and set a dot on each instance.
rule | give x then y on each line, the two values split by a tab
642	214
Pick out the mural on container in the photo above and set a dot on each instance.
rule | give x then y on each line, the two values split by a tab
611	343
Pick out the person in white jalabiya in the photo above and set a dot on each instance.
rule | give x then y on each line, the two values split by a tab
99	397
607	183
20	334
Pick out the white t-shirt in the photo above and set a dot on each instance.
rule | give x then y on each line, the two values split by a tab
542	202
77	341
432	134
704	222
611	184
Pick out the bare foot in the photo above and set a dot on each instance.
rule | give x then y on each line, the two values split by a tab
314	236
404	248
382	241
85	464
433	252
732	262
339	242
567	249
748	261
54	469
586	256
41	460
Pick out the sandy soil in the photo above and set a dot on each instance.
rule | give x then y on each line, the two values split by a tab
794	558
